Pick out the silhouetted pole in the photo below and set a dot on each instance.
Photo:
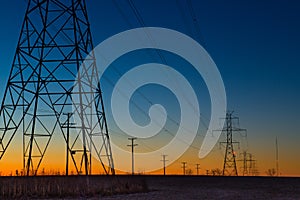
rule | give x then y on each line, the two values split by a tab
183	167
132	145
164	163
197	168
277	163
68	136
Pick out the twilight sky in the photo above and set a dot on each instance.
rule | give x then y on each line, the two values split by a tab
255	45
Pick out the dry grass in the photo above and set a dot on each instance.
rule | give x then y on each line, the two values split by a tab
68	187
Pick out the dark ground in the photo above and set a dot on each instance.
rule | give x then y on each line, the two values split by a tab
149	187
203	187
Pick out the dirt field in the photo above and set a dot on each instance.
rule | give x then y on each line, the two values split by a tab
193	187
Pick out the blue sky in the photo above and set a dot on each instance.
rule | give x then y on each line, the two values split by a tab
255	45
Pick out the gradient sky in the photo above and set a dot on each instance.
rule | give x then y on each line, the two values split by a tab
255	45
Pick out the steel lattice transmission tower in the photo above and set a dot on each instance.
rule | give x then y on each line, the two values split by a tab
229	167
54	41
247	162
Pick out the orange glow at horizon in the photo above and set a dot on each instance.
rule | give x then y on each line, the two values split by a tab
54	161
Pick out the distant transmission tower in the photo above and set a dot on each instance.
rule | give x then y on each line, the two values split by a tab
247	163
229	167
54	41
252	169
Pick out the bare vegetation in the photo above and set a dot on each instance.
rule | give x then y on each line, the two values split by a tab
68	187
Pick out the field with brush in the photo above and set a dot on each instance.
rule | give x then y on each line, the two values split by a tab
73	187
123	187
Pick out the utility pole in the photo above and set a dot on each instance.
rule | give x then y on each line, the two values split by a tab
68	125
229	167
197	168
68	136
183	167
277	161
164	163
132	145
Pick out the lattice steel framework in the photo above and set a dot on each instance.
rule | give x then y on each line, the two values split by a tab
54	41
229	167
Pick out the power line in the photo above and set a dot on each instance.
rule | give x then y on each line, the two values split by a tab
142	23
162	58
144	112
122	13
195	21
183	15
